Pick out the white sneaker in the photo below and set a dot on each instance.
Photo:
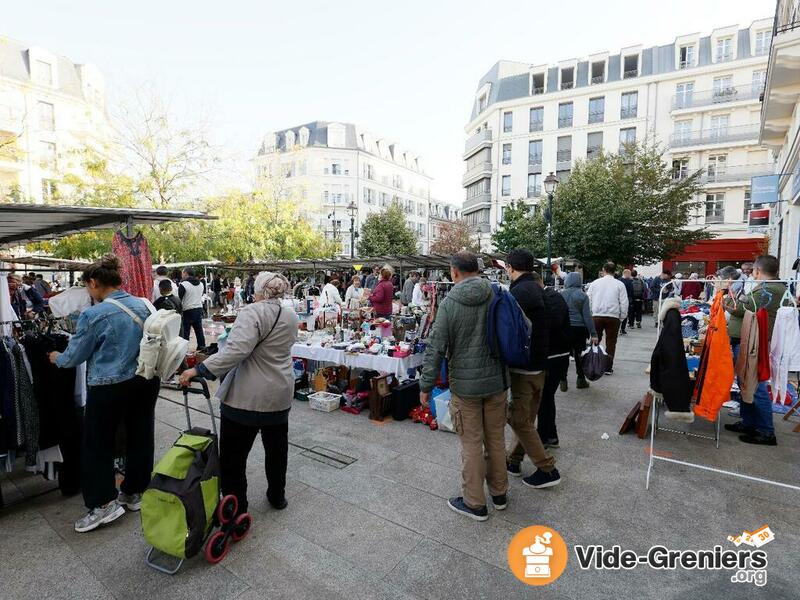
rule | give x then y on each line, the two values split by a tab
99	516
130	501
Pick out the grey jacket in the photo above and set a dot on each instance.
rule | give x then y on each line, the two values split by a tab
459	334
580	312
408	291
264	380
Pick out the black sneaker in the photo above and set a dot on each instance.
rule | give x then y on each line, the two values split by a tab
551	443
457	505
757	438
513	469
541	480
564	385
609	372
582	384
739	427
623	332
278	504
638	326
500	502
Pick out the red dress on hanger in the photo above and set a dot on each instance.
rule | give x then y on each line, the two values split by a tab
137	264
764	372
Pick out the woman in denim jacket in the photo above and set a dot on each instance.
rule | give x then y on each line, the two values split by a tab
108	339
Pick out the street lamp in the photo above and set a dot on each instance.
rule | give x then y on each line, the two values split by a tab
352	210
550	184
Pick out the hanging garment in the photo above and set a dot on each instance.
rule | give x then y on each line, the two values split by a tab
784	355
137	264
715	374
28	424
669	373
73	300
8	412
6	310
762	316
747	362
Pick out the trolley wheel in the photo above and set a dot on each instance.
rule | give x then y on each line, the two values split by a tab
226	509
217	547
241	527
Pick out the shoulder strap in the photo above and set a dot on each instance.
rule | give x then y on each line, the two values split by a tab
271	329
131	314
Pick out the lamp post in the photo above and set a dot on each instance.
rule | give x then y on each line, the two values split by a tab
550	184
352	210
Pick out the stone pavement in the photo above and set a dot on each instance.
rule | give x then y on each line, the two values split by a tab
379	528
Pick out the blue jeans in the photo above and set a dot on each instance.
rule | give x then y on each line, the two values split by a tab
758	415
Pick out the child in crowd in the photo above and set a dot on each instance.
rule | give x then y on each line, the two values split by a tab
167	300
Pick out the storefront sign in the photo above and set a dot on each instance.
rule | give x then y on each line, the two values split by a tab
764	189
758	220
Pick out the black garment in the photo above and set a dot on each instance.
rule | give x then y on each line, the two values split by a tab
132	403
193	319
170	302
254	418
578	336
8	413
19	304
559	323
236	441
546	422
530	296
669	373
635	312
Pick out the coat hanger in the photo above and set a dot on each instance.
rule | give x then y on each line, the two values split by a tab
787	295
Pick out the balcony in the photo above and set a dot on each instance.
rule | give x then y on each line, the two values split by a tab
593	152
719	96
628	112
738	173
484	198
567	85
685	64
538	90
535	160
482	139
630	74
598	79
724	57
482	169
782	93
534	191
719	135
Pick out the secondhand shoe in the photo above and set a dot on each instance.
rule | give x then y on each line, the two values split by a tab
582	383
638	326
500	502
278	504
564	386
757	438
623	332
457	505
551	443
739	427
130	501
513	469
99	516
541	480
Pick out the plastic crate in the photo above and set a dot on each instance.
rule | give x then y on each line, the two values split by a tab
324	401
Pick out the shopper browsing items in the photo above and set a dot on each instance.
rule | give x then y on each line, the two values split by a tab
354	296
478	383
382	295
161	275
330	294
107	339
257	391
609	302
190	292
408	288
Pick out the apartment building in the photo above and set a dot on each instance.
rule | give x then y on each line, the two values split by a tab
698	96
50	107
439	214
340	172
780	130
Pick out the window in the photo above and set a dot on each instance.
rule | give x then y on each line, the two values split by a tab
594	144
369	171
46	117
724	50
477	217
535	152
506	185
537	119
631	66
49	191
686	57
47	152
626	137
723	89
598	72
763	39
715	208
336	168
506	154
759	81
567	78
683	94
563	175
564	151
719	126
384	202
748	205
565	114
508	122
716	167
537	84
534	185
597	109
683	131
680	168
421	209
44	72
483	102
630	108
479	188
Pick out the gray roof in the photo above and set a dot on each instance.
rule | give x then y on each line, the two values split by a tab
14	64
317	135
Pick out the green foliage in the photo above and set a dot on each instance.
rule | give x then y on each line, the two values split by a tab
454	236
386	233
519	229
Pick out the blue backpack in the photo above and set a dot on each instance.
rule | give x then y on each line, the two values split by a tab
508	330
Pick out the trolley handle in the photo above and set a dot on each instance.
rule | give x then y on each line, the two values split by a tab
203	391
204	387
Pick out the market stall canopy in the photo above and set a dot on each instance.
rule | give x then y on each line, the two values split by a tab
48	262
21	223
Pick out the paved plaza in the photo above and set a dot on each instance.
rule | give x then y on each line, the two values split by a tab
379	526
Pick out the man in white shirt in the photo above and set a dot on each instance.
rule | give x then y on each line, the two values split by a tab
608	299
161	274
330	294
418	296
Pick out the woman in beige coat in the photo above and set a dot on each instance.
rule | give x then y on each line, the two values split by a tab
257	391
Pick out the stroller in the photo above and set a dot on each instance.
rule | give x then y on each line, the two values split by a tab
181	507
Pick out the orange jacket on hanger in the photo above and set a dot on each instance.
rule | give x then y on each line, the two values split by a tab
715	374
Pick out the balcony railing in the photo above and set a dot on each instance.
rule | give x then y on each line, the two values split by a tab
567	85
719	174
718	96
685	64
534	191
485	197
724	56
538	90
484	135
480	168
535	159
715	218
597	116
598	79
536	126
564	122
593	152
564	156
630	73
629	112
716	135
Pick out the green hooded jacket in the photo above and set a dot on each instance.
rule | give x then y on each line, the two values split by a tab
459	335
752	302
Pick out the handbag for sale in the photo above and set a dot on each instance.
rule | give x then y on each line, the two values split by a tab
594	361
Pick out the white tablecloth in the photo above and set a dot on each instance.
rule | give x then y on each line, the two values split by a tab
382	363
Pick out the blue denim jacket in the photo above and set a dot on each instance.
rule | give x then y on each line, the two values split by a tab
108	338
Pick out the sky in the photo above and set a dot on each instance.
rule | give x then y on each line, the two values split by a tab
405	70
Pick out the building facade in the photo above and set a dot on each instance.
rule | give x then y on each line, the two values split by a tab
698	97
339	171
780	130
50	108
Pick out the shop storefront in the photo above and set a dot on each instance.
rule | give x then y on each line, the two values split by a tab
706	257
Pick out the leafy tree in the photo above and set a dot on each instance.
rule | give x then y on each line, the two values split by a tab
387	233
454	236
518	228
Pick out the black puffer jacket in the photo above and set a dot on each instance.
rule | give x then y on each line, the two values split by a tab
559	327
530	296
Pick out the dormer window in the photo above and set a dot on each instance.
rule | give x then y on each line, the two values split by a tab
44	72
537	84
686	57
630	66
303	136
567	78
724	49
598	72
763	39
482	103
289	139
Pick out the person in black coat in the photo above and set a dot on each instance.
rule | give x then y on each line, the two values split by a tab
669	373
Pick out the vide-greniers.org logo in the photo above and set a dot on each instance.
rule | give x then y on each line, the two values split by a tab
750	565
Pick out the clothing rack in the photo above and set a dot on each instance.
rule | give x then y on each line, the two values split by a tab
657	405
